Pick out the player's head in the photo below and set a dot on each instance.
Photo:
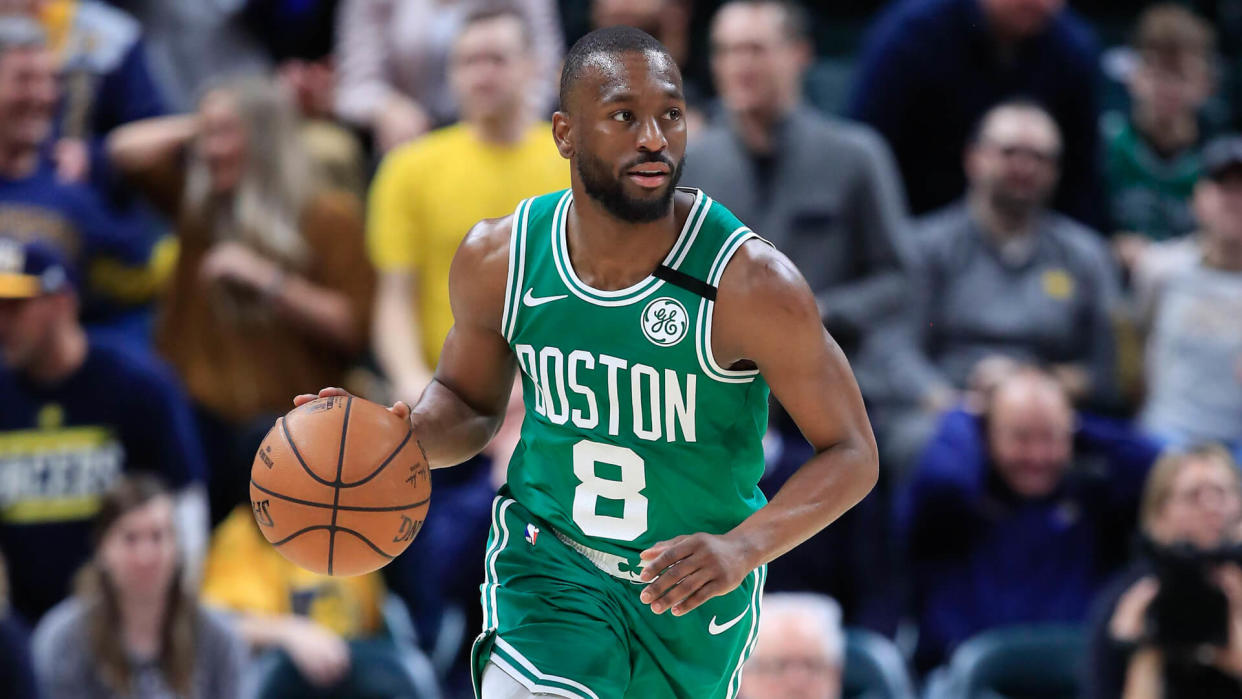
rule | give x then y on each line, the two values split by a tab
1013	162
492	64
621	122
760	49
28	89
800	651
1030	429
1193	496
37	302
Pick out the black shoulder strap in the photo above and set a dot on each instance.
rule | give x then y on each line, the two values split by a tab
685	281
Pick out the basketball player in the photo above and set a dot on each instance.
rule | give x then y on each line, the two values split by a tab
628	548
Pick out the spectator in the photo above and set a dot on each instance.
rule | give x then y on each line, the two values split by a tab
301	30
1153	154
800	651
329	628
131	629
16	668
1016	516
1191	297
766	161
192	44
1001	277
103	61
929	69
78	413
124	264
499	154
425	198
394	57
669	21
1194	499
272	286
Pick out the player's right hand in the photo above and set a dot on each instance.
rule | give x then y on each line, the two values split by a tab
400	409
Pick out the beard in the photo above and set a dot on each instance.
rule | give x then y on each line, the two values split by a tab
607	190
1017	204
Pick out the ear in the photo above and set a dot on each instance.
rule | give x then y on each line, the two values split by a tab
805	54
970	156
562	133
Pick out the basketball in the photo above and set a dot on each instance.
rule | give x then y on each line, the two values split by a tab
340	486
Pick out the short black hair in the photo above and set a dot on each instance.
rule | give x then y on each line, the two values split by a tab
608	41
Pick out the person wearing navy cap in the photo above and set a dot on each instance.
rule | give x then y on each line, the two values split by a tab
77	413
1189	295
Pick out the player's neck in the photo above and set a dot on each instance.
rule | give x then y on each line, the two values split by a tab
608	253
65	355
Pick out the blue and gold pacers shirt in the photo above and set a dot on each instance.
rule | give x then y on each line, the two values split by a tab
123	259
63	445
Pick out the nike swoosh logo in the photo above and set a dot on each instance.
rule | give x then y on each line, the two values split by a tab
716	629
531	300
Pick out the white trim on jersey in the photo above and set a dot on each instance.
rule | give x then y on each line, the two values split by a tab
644	287
703	325
517	269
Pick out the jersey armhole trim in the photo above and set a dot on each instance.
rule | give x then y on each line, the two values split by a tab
517	269
703	328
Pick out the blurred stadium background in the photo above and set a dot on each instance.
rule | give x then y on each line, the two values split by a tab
1022	220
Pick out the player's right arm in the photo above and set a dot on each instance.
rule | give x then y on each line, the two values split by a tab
464	405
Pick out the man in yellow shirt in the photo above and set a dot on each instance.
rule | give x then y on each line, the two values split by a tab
429	193
424	200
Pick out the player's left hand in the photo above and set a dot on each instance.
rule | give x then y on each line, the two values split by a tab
689	570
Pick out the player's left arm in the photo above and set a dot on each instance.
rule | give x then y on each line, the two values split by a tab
766	314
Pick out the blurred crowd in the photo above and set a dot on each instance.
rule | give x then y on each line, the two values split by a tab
1022	226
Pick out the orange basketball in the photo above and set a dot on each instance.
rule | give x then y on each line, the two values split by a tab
340	486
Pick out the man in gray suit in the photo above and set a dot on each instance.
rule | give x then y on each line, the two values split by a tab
827	193
824	191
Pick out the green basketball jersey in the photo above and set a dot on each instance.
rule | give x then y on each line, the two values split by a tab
633	432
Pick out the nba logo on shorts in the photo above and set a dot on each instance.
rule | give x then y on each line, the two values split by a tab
532	534
665	321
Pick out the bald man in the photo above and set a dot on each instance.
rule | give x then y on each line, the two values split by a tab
800	652
999	274
1017	515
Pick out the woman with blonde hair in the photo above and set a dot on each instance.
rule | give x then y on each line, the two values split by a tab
272	288
131	629
1191	506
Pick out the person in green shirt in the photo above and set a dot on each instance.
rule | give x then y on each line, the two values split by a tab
1153	153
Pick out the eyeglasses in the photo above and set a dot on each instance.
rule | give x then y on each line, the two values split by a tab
1009	151
1204	494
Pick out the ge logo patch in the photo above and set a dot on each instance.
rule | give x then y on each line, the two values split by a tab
665	321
